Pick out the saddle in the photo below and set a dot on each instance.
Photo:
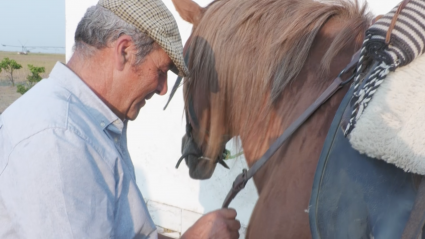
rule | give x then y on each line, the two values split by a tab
355	196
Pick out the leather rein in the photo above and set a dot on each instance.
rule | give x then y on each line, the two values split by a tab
242	179
191	149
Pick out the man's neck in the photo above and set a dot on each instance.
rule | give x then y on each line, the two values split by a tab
97	74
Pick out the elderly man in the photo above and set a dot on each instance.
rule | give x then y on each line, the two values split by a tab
65	171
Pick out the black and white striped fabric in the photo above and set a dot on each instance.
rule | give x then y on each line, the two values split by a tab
407	43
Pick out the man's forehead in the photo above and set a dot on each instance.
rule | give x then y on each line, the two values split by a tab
167	61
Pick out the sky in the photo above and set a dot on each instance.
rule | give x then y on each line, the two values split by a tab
41	23
32	23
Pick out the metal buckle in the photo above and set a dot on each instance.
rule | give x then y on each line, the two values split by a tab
240	181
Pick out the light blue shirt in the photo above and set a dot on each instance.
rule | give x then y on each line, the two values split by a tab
65	170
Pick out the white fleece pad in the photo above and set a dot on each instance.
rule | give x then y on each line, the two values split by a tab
392	127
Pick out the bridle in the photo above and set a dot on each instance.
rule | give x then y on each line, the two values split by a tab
191	148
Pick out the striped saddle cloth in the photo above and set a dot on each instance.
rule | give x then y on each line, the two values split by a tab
386	107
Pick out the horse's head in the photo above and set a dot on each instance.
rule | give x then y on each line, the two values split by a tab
202	146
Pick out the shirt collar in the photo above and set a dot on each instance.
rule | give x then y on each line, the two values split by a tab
94	105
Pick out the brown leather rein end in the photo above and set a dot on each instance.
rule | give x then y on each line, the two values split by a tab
243	178
394	20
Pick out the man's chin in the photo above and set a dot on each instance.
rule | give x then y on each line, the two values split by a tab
133	114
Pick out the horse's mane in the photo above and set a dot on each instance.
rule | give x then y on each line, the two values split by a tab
262	46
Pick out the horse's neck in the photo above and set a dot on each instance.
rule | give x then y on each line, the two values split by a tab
300	154
302	150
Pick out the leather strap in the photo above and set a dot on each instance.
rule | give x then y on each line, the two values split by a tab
243	178
394	21
414	226
179	78
377	19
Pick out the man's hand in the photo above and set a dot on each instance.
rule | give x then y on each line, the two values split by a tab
220	224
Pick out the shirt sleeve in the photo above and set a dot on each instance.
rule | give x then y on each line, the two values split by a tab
56	185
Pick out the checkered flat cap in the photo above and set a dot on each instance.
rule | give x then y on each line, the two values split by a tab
154	19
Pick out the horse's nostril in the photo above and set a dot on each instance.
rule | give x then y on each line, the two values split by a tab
199	166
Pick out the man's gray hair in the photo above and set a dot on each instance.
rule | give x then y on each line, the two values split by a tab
100	27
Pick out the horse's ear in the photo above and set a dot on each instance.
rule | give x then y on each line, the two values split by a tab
189	10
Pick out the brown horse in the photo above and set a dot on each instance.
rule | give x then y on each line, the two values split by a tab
256	65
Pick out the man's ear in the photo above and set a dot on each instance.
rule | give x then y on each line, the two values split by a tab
122	48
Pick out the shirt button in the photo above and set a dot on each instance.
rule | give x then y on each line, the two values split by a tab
116	140
102	124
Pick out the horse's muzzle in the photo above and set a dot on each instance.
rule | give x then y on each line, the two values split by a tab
199	166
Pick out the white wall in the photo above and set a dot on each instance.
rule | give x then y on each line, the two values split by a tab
174	199
381	6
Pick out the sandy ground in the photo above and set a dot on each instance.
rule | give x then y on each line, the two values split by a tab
8	95
35	59
8	92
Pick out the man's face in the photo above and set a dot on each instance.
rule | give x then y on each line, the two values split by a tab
146	79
